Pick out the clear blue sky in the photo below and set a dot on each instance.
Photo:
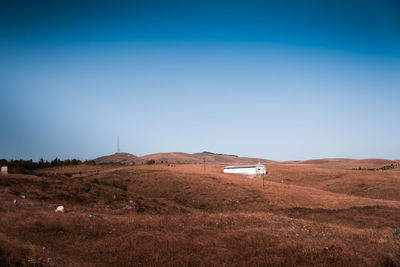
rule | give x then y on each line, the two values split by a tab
282	80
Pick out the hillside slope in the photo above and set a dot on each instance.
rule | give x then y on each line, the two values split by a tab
349	163
176	157
117	158
207	157
195	215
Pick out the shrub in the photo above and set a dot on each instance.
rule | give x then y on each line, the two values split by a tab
152	161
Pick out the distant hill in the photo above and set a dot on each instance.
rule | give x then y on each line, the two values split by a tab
171	157
176	157
347	163
215	158
117	158
223	158
207	157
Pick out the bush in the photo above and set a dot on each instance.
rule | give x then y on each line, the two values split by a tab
149	162
56	162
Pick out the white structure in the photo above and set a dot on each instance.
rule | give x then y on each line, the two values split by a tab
246	169
4	169
60	209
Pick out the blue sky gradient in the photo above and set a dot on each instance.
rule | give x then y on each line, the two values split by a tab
282	80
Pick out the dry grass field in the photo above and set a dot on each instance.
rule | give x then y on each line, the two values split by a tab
308	213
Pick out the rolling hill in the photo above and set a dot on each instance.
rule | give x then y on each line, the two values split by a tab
195	215
176	157
117	158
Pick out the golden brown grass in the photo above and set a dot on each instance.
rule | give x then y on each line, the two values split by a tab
187	215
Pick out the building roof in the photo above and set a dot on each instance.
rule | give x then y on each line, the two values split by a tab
244	166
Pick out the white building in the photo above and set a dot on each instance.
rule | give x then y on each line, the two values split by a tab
4	169
246	169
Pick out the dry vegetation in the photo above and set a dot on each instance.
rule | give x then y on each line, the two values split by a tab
173	158
308	213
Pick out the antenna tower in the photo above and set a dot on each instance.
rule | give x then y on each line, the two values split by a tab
118	151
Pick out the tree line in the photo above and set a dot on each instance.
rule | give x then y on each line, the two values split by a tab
24	166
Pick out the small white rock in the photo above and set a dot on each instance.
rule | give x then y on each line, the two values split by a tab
60	209
15	202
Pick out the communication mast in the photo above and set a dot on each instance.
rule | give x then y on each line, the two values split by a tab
118	151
